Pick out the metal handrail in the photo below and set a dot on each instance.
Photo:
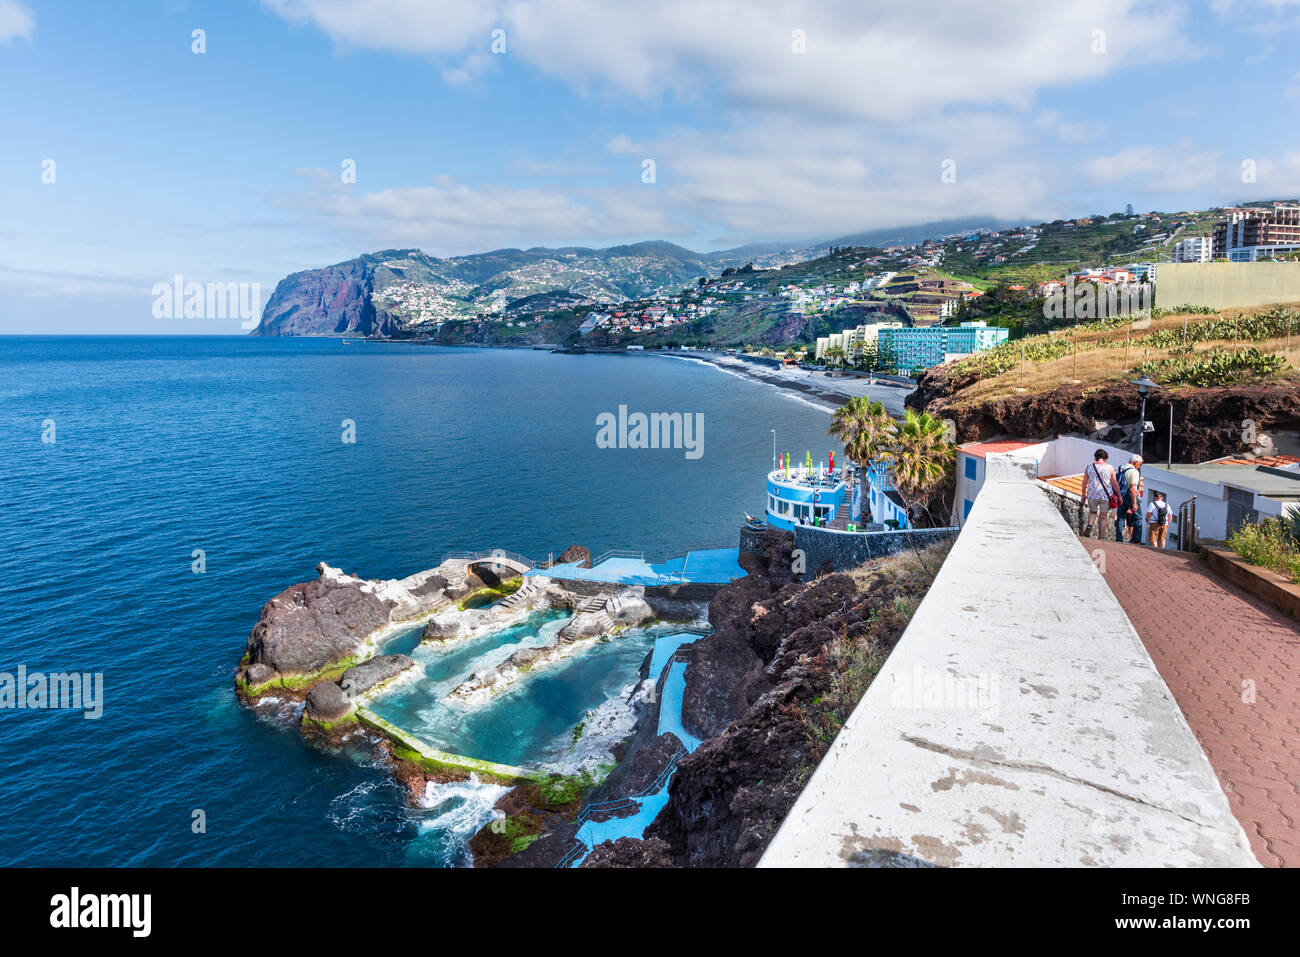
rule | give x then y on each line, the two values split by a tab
572	854
618	553
628	799
1187	525
616	804
579	848
481	556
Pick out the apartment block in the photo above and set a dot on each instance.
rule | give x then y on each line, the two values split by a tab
1249	233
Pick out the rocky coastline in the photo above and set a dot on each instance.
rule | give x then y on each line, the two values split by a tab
766	691
316	645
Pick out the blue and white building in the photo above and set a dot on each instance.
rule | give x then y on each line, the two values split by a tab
800	496
920	347
882	497
816	496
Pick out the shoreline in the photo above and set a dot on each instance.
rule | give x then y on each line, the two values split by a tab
825	392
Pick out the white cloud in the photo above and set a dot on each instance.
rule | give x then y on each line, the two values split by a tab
15	21
451	218
407	26
623	145
782	178
1159	169
885	62
1069	130
55	283
777	179
847	136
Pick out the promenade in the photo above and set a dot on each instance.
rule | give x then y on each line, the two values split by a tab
1232	662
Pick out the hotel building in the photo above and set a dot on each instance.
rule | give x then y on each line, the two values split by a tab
1248	233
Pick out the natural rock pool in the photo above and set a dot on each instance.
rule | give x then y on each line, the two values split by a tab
534	722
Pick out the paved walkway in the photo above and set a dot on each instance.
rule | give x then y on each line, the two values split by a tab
1209	639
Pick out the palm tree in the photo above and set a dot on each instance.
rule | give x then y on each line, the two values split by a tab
921	455
834	354
866	431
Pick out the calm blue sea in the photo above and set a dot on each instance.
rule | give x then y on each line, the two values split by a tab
233	445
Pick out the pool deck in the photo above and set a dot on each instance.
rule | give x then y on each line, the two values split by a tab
670	720
713	566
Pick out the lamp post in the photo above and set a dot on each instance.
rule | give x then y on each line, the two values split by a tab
773	431
1144	385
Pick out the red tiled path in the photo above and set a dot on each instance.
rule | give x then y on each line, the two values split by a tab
1207	637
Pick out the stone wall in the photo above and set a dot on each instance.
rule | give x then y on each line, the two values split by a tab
1068	506
845	550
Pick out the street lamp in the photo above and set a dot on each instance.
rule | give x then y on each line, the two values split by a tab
1144	385
773	431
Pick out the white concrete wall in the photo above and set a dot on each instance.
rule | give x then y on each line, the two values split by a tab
1019	722
969	489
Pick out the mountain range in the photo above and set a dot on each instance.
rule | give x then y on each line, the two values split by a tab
401	292
392	292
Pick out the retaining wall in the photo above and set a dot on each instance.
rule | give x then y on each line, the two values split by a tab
845	550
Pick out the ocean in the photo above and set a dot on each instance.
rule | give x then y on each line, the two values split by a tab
126	463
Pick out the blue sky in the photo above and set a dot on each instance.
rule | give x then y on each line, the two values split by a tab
765	121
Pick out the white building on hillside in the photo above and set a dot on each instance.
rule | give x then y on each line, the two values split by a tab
1198	249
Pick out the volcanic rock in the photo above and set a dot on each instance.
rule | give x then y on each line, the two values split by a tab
314	624
359	679
628	852
575	553
327	702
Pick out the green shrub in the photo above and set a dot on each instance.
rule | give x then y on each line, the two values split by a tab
1215	367
1268	544
1271	324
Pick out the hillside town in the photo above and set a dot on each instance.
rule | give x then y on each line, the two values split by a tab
896	308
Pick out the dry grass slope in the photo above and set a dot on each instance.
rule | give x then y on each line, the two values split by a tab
1094	355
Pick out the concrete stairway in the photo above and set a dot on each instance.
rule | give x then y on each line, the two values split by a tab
841	520
596	603
526	591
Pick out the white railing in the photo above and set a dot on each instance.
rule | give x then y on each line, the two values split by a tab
618	553
494	555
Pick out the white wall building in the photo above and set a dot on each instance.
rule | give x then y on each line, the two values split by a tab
1198	249
852	340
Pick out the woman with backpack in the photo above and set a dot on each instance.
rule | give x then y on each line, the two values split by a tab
1100	493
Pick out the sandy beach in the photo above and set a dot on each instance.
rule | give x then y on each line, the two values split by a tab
817	387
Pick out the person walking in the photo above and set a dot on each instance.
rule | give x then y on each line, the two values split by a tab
1100	493
1128	523
1158	513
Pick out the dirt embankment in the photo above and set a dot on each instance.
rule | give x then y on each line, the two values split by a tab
1208	422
